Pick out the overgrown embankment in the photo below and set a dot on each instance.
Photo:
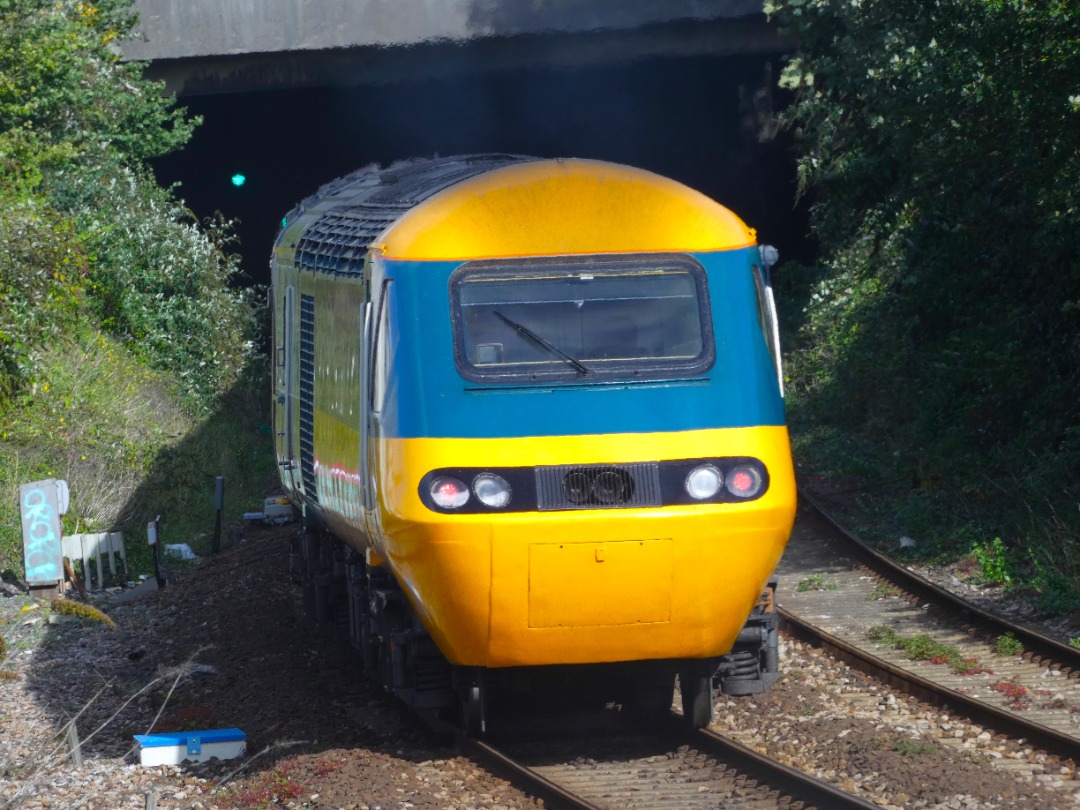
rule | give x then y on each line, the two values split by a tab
934	351
127	349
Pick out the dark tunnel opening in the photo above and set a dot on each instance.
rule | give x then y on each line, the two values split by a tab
708	122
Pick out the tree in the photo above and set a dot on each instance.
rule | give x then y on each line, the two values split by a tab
64	88
940	142
86	232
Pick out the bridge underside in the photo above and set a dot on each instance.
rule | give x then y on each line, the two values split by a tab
354	66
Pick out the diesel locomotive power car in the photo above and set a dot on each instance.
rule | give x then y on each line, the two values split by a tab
531	412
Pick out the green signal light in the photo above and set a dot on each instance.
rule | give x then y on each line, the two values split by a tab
238	180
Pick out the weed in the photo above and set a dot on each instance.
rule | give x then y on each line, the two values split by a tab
1008	645
882	592
924	648
914	748
1015	693
816	582
325	767
277	788
993	560
1074	642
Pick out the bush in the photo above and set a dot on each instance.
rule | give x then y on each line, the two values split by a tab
160	282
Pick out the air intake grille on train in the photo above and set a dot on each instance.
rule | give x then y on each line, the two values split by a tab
598	486
307	395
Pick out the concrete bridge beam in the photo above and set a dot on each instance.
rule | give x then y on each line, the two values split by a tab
214	46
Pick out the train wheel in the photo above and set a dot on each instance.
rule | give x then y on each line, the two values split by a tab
697	698
474	710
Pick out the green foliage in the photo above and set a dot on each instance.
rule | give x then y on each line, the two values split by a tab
161	283
63	84
993	559
941	145
86	234
42	271
815	582
1008	645
914	748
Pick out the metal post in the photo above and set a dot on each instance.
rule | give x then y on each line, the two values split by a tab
74	745
152	539
219	504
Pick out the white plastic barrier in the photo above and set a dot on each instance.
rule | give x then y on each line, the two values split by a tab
87	547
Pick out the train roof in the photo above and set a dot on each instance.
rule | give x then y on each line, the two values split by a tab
491	206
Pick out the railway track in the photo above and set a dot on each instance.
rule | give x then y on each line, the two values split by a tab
837	592
663	765
660	765
667	766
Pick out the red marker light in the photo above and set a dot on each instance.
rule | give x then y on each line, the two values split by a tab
448	492
744	482
448	489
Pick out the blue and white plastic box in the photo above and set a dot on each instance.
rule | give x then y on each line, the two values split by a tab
173	747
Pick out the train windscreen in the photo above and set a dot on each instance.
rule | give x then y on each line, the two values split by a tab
634	317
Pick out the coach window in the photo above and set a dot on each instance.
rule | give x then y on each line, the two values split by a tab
636	317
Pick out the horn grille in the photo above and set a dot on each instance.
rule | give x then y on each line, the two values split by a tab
598	486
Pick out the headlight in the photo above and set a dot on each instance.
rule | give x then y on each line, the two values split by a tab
492	490
448	492
704	482
744	481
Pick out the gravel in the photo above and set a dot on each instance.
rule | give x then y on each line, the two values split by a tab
227	645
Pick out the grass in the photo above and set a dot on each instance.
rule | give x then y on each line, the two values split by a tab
115	432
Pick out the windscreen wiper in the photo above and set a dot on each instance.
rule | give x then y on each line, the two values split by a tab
580	367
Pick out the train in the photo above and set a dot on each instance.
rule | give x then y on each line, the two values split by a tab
531	413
